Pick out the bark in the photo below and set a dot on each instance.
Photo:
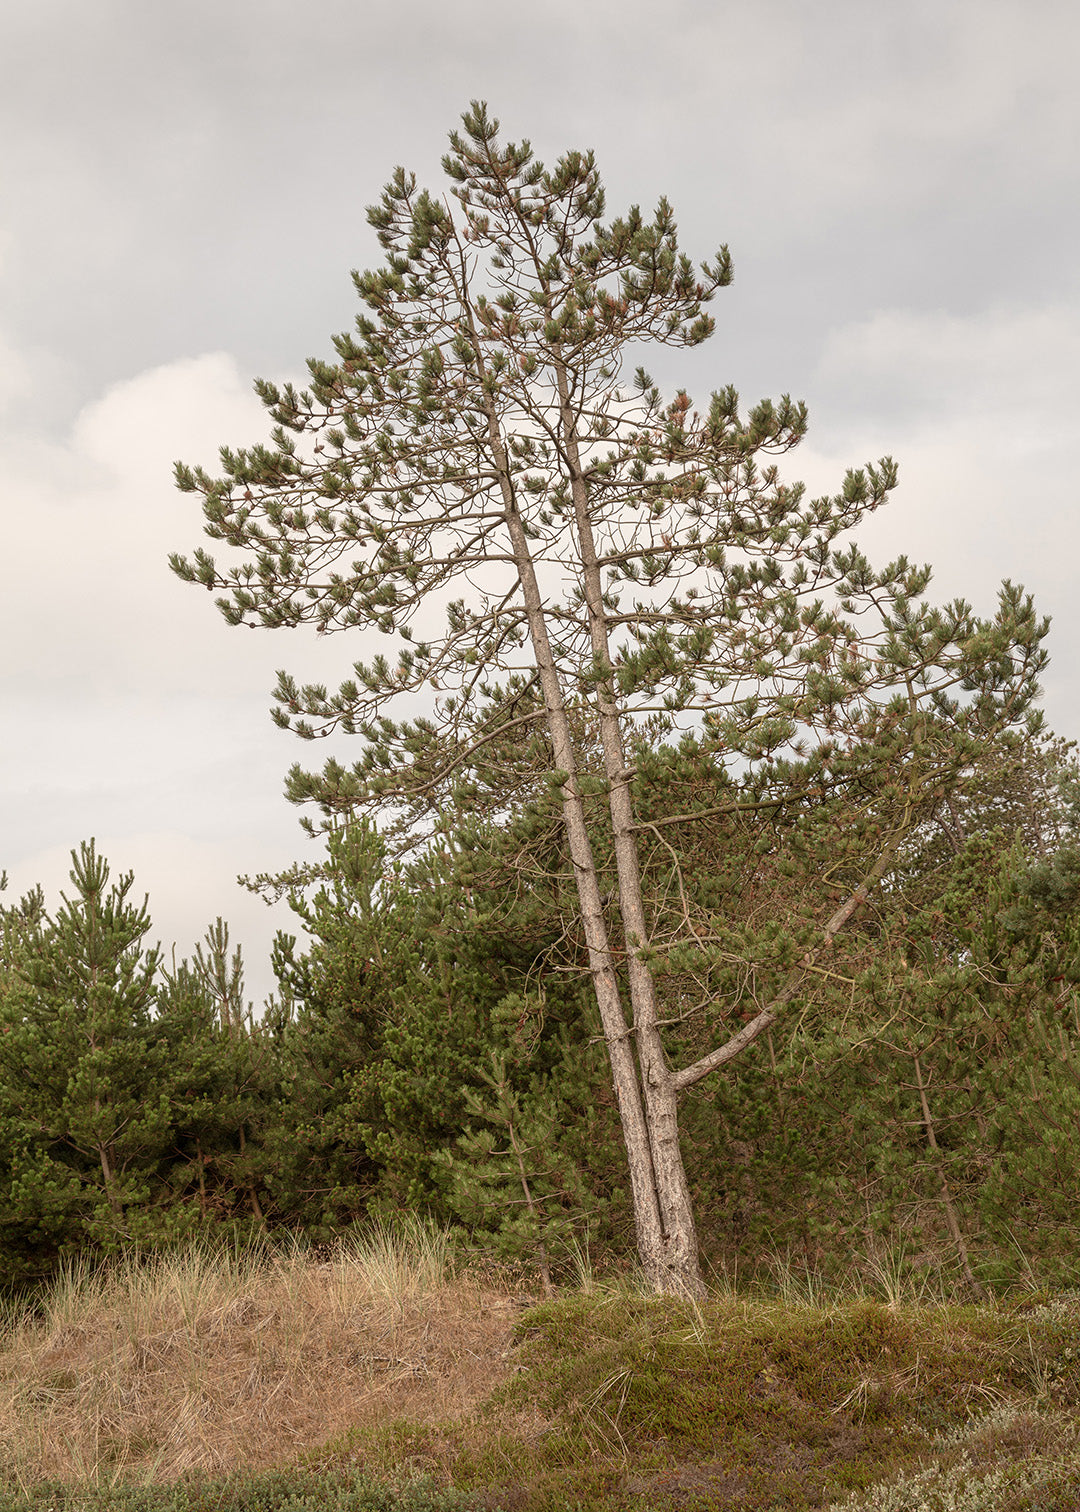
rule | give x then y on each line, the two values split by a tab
110	1183
647	1216
671	1261
534	1214
951	1219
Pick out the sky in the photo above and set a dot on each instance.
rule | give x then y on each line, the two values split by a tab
182	196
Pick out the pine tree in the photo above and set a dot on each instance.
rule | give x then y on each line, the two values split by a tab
412	983
630	568
83	1068
511	1172
327	1034
221	1081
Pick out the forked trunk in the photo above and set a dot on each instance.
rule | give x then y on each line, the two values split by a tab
673	1266
663	1216
648	1219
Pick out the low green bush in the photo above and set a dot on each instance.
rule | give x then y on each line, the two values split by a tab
292	1490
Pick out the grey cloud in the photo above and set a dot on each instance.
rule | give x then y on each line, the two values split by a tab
195	177
184	196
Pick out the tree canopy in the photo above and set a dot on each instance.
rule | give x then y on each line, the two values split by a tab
570	571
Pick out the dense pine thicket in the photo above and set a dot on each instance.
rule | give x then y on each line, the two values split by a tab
434	1047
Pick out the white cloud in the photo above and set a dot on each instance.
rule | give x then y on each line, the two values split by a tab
95	516
977	412
132	712
183	409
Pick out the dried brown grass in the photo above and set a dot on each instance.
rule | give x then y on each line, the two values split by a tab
196	1362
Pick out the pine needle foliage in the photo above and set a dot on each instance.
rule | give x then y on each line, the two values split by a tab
567	568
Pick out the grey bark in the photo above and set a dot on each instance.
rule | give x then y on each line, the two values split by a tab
671	1260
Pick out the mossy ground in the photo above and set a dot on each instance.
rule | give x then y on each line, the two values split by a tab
620	1402
623	1402
292	1490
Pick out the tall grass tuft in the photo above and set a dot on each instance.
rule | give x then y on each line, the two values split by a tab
208	1359
400	1261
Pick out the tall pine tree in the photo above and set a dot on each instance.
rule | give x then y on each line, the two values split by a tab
575	568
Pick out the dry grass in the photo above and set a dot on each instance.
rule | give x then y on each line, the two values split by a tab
215	1363
200	1370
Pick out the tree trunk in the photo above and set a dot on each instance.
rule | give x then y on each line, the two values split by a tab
648	1221
672	1264
663	1216
115	1206
953	1223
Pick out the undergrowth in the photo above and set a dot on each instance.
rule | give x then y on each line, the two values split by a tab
292	1490
381	1377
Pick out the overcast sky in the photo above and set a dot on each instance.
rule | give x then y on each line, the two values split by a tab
184	187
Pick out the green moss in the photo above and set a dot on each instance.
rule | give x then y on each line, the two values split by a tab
622	1403
292	1490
